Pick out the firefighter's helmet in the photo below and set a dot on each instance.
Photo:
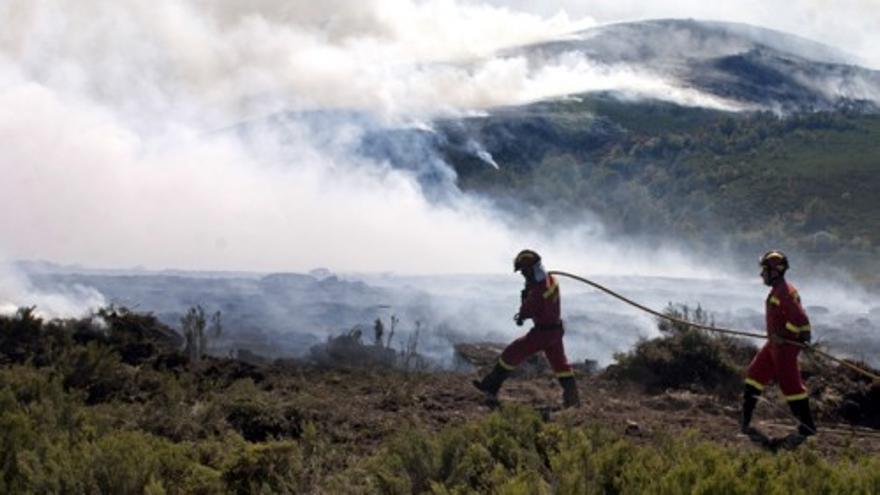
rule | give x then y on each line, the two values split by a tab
525	258
774	260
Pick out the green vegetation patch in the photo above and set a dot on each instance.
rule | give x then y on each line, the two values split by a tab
87	421
513	452
707	178
685	358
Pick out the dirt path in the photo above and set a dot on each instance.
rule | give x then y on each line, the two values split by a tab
363	408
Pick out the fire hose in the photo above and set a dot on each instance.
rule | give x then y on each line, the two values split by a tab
726	331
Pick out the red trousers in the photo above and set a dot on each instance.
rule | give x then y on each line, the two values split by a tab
549	341
777	362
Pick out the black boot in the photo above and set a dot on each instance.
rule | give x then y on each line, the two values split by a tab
491	383
570	396
801	409
806	427
750	400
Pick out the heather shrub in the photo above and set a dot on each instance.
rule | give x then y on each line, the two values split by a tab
25	337
257	415
537	457
684	358
272	467
499	454
96	370
85	421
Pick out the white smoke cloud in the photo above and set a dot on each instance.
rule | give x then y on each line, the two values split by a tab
574	73
108	112
199	59
102	194
16	292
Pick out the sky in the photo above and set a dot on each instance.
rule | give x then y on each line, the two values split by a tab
118	147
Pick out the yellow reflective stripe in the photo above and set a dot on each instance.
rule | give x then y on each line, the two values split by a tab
551	290
773	300
797	329
564	374
790	398
755	384
505	365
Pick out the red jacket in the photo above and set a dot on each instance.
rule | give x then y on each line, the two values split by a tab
786	317
540	302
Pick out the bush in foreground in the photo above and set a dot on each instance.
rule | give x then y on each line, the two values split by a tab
514	452
685	358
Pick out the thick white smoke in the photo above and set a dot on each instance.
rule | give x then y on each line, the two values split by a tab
210	60
61	302
115	125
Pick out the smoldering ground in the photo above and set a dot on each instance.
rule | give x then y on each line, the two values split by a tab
284	315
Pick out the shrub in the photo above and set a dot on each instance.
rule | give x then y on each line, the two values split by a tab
258	421
24	337
684	358
41	428
95	369
499	454
132	462
274	467
170	409
590	459
257	415
51	443
137	337
844	394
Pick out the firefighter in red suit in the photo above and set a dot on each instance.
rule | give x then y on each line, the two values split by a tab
787	327
540	303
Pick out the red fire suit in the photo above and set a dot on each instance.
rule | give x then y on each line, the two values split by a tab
778	360
541	303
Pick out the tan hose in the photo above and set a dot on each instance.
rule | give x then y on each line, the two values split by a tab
726	331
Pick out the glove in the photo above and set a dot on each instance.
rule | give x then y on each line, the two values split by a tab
805	338
518	320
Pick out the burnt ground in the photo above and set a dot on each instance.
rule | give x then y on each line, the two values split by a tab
358	409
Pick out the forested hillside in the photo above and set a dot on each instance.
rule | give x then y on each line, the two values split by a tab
707	178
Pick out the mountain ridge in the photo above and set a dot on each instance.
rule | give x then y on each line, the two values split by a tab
686	50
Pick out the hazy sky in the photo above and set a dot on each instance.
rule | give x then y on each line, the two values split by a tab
109	115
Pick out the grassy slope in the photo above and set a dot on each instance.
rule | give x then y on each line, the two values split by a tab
107	417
